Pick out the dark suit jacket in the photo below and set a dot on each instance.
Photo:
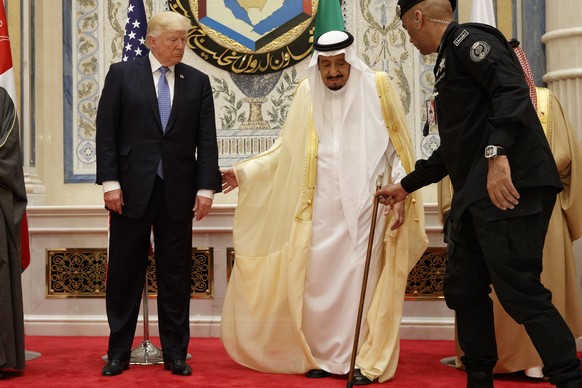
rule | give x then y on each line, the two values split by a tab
130	140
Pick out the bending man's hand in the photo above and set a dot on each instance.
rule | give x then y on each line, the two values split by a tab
114	200
202	207
229	182
392	194
499	185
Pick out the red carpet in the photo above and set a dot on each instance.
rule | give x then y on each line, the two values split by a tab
76	362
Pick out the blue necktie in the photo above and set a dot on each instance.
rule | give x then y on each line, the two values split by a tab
164	105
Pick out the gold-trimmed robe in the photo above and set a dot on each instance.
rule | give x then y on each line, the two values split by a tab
262	313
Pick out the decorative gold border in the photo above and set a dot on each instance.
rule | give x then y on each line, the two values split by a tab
289	48
96	273
429	272
79	256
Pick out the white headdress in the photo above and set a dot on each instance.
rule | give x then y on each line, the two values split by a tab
364	136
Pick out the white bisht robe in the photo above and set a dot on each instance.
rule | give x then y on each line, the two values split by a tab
263	320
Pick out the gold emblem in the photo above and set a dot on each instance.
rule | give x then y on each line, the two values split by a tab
250	36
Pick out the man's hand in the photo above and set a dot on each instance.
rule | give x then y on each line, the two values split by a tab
392	194
499	185
229	182
398	211
114	200
202	206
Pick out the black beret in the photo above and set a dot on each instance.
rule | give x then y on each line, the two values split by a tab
404	5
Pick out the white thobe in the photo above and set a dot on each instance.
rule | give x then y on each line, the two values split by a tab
336	266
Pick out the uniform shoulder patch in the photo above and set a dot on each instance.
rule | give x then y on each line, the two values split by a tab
460	38
479	51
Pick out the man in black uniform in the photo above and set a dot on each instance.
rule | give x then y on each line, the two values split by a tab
505	184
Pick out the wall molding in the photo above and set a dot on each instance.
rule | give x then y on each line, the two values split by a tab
86	226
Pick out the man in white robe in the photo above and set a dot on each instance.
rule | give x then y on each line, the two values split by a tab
302	226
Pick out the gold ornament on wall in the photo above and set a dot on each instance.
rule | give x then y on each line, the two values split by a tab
250	36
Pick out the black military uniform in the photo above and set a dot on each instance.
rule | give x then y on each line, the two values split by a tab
481	100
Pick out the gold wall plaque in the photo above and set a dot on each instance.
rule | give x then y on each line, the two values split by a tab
81	272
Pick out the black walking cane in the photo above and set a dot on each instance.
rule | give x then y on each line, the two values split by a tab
364	284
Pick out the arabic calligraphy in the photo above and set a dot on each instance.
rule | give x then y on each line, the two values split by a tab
288	45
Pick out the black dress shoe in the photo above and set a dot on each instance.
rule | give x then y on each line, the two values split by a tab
317	374
479	379
115	367
178	367
360	379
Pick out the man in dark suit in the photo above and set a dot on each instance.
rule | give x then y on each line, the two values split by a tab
157	160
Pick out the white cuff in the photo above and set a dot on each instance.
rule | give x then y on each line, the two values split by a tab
110	186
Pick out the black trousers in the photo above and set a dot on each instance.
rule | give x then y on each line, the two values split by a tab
128	251
504	249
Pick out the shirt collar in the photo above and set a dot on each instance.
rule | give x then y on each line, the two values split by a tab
156	64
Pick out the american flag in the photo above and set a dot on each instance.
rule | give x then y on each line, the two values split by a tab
135	31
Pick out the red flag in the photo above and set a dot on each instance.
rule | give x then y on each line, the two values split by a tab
24	243
7	82
6	68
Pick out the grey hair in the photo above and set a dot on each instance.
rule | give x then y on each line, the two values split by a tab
167	21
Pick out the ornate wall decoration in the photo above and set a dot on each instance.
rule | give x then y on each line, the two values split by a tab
84	64
258	43
250	118
81	272
384	41
81	95
427	277
251	98
384	45
250	36
255	87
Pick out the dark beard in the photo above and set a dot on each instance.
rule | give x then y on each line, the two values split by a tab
338	87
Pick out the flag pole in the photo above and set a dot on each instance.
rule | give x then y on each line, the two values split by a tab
364	285
146	353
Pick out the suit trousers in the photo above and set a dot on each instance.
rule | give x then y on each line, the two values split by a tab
490	246
129	243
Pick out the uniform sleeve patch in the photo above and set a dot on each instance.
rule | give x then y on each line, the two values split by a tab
479	51
460	38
